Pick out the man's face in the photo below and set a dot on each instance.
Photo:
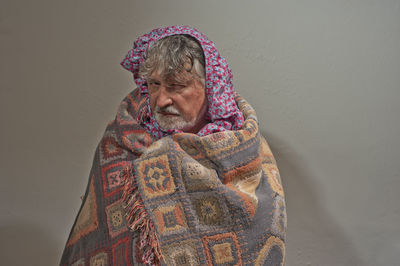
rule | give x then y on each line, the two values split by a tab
177	104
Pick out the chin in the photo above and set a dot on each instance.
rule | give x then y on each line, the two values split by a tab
180	125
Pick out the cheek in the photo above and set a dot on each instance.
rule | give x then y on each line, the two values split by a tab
195	104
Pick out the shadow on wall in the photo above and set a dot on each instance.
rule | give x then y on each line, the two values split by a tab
27	244
313	235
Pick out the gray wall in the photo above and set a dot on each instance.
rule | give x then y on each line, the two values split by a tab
324	77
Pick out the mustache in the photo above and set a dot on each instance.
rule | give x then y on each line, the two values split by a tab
168	109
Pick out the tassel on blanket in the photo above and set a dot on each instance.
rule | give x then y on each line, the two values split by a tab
138	219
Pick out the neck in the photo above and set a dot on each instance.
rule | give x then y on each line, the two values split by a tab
201	120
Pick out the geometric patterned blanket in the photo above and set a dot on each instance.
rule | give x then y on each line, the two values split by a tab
180	200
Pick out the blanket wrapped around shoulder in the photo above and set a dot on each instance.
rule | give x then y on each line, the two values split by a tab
180	200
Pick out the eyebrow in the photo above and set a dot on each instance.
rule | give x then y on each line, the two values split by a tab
152	80
171	82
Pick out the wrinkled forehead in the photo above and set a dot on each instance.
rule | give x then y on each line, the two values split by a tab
170	77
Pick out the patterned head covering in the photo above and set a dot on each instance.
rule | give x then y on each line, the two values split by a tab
223	112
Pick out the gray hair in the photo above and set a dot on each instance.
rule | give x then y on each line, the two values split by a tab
175	56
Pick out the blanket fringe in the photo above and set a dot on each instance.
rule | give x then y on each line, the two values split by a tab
139	219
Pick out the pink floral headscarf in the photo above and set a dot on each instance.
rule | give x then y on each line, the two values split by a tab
223	112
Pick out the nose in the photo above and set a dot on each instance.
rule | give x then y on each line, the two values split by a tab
163	98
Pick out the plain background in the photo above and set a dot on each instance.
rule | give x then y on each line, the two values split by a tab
323	76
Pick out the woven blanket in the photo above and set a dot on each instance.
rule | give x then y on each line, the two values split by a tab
181	200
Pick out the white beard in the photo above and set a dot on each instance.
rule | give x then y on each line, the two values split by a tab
172	122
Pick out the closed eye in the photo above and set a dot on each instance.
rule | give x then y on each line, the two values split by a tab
153	85
177	87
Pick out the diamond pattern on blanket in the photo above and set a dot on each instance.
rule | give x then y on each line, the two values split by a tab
115	219
110	150
155	177
210	209
170	219
112	180
222	249
182	253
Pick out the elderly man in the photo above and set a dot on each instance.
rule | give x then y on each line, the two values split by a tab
181	175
